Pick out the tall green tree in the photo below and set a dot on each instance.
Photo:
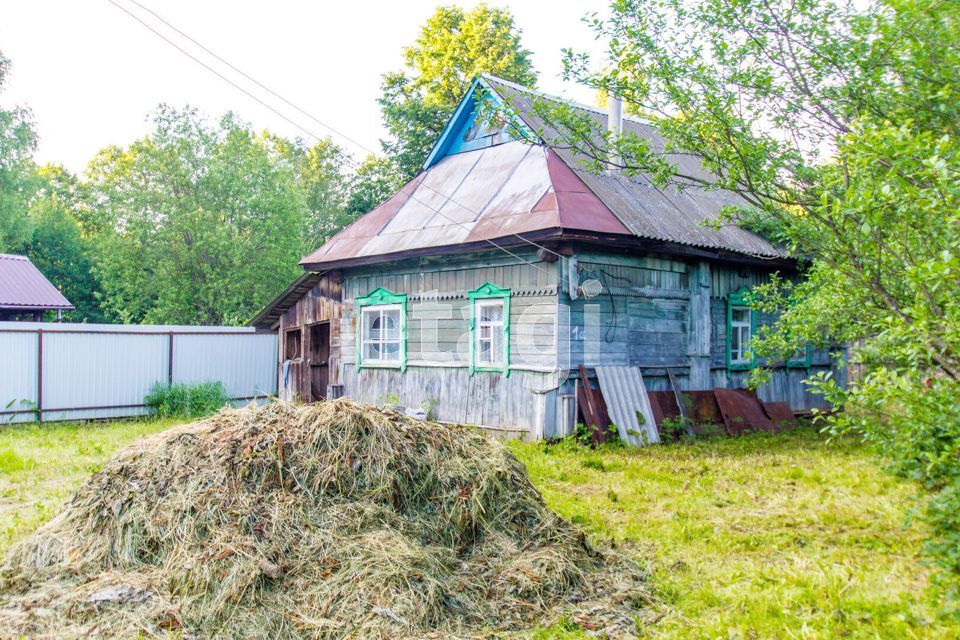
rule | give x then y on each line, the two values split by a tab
18	140
838	124
374	180
57	244
198	224
453	47
321	173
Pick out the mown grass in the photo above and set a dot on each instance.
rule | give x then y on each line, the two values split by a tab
41	467
763	536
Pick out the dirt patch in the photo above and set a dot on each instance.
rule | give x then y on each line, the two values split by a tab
330	520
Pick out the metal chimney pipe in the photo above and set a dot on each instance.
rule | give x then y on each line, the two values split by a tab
614	115
614	126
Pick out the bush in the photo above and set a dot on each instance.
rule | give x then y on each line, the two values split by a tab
186	400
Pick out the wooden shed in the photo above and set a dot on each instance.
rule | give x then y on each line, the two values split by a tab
307	317
479	288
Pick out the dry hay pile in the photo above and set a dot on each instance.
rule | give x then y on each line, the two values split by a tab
323	521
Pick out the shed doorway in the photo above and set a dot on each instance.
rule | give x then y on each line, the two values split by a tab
319	360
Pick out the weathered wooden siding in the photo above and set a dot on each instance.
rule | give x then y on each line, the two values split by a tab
438	341
652	313
321	304
438	313
522	402
640	319
786	383
656	313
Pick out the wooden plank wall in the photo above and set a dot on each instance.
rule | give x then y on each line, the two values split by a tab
523	402
653	312
438	335
656	312
640	319
438	313
321	303
786	383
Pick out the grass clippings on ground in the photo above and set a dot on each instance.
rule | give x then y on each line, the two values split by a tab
322	521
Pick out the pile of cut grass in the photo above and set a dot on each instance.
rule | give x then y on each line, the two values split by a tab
324	521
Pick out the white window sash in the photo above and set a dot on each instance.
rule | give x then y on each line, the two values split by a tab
742	330
494	357
383	343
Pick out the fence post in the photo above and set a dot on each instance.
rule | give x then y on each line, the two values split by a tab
170	359
39	376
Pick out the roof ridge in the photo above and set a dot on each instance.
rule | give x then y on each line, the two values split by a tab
14	256
555	98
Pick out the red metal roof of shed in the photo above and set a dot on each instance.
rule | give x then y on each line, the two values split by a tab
22	286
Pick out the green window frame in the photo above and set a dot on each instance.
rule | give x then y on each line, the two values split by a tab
737	302
489	292
383	301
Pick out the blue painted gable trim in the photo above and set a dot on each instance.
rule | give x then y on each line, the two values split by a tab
452	139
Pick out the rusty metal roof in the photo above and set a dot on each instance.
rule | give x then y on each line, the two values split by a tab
471	198
648	211
495	194
22	286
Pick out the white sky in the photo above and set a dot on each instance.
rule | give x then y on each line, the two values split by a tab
91	74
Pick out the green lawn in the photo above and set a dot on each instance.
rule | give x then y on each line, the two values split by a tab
764	536
758	537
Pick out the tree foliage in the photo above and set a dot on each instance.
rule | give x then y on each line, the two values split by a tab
58	245
838	126
198	224
453	47
18	141
374	180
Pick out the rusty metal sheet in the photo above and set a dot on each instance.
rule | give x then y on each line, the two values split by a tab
702	407
578	206
351	240
22	286
486	194
664	407
741	412
780	413
593	407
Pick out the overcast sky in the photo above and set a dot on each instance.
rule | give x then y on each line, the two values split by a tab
91	74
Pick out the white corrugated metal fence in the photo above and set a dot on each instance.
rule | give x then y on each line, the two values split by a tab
87	371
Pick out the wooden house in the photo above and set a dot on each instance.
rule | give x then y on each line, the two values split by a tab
478	289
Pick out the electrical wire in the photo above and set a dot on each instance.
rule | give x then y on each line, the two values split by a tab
303	112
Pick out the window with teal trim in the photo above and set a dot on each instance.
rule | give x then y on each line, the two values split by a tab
740	327
490	329
382	330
